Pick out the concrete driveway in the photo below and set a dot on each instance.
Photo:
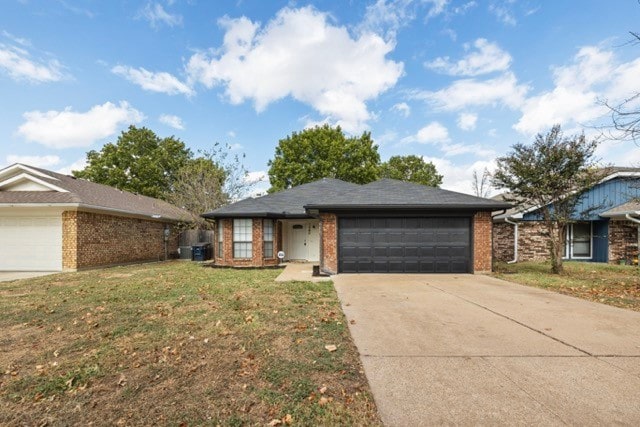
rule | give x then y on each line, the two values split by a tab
465	349
7	276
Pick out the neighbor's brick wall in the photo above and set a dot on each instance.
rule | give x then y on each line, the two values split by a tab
621	235
482	251
106	240
503	249
329	243
257	260
532	241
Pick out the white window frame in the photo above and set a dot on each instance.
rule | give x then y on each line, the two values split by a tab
265	241
568	245
220	238
243	223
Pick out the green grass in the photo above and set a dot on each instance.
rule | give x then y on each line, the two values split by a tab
177	343
617	285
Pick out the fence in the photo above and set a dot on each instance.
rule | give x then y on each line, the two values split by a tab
189	238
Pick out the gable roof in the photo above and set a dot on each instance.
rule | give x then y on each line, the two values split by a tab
630	208
336	194
288	203
65	190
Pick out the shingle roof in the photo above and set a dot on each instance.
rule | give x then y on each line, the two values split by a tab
286	203
337	194
626	208
91	195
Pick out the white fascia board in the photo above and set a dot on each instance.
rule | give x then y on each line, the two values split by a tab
26	176
18	166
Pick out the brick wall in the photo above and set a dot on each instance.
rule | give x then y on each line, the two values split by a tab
257	260
622	234
329	243
503	248
69	240
92	240
482	251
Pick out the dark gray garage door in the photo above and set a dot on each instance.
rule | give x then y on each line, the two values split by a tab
404	245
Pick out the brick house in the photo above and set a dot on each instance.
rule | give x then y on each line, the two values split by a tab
55	222
604	229
386	226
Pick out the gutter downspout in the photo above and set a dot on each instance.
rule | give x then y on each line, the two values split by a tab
637	221
515	240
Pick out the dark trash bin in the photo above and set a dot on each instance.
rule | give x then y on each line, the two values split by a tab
201	251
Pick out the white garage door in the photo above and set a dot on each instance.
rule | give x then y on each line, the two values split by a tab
31	243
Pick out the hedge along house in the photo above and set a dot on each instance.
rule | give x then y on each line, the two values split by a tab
53	222
385	226
604	225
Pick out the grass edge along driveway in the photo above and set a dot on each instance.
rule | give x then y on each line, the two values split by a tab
176	343
616	285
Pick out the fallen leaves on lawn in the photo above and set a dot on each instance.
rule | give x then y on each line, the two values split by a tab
330	347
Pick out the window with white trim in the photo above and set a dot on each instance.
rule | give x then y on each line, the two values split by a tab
220	238
242	238
579	241
267	237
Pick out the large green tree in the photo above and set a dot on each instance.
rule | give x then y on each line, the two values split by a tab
139	162
411	168
550	175
323	152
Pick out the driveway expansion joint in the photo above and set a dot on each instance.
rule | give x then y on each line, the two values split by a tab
513	320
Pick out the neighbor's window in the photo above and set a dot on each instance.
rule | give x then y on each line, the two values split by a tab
578	241
242	236
267	233
220	238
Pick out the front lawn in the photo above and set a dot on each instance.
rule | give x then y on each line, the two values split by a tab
179	344
617	285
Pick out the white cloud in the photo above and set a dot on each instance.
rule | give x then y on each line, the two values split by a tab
402	108
235	147
157	15
37	161
579	87
75	166
18	63
432	133
467	121
19	40
231	134
153	81
458	149
68	128
171	120
256	177
502	90
503	12
387	17
459	177
487	58
300	54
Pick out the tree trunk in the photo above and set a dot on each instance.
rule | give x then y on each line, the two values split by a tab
555	246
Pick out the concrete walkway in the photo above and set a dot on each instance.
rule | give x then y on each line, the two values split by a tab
7	276
301	272
464	349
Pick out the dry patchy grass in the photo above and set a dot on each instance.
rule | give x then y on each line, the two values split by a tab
617	285
178	344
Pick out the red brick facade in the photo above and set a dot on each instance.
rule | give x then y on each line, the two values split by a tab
329	243
257	259
92	240
532	241
482	253
623	240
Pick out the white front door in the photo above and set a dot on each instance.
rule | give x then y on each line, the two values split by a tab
304	240
31	243
298	241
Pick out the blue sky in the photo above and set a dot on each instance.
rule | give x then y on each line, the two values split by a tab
457	82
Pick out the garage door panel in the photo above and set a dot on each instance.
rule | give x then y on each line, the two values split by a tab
404	245
31	243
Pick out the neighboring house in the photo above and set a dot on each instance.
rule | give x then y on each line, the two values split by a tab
386	226
605	227
53	222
